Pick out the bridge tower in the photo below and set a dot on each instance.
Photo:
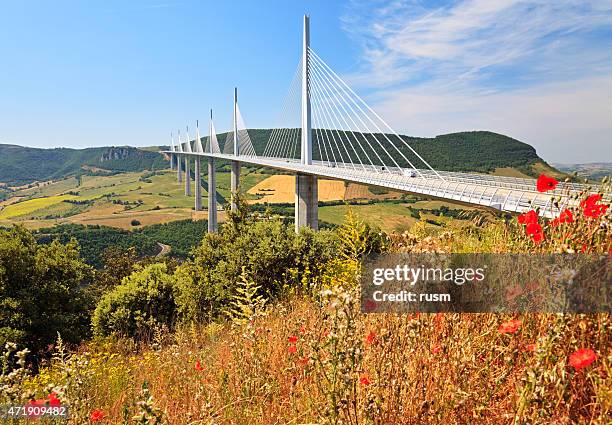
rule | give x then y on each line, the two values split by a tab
306	191
235	165
187	166
212	183
179	163
171	150
198	177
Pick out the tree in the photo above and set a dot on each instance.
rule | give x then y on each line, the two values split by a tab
141	302
41	291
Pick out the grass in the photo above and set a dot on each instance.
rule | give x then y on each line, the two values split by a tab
29	206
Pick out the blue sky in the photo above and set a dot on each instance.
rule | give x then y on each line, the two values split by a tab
95	73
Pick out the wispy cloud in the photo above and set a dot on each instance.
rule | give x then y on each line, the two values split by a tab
460	61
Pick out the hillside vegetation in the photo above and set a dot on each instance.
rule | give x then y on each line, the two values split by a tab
21	165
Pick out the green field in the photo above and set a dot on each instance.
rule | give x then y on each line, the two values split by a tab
114	200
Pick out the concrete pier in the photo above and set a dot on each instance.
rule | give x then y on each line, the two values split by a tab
198	185
187	176
306	202
235	183
212	196
179	169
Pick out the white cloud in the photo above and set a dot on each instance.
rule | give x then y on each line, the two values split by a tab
540	71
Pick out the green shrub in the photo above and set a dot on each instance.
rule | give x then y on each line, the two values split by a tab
41	291
270	253
143	301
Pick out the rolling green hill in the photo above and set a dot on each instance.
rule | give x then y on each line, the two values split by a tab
475	151
20	165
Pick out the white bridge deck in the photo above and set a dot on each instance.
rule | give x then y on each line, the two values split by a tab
508	194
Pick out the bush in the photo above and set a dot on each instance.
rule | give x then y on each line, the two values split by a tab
41	291
135	222
270	253
143	301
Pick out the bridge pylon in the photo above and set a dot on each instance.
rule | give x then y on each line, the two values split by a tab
306	191
235	165
198	177
212	183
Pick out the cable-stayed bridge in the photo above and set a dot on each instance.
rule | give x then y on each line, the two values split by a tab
326	130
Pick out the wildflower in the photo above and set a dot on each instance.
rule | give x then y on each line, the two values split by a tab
591	206
96	415
529	217
513	292
302	329
566	216
509	327
305	360
582	358
292	349
535	231
53	400
545	183
364	379
370	338
595	211
370	305
530	348
293	339
436	349
198	366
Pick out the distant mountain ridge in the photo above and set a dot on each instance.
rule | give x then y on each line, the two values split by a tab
22	165
473	151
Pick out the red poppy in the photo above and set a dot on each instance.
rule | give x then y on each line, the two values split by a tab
305	360
370	338
509	327
302	329
582	358
369	306
292	349
293	339
436	349
545	183
529	217
96	415
566	216
535	231
198	366
53	400
591	206
595	211
590	201
365	379
530	347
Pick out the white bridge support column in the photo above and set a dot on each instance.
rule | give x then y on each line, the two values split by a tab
198	185
212	196
235	183
306	190
187	176
179	169
306	202
235	165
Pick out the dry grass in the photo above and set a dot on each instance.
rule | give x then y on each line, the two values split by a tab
281	189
